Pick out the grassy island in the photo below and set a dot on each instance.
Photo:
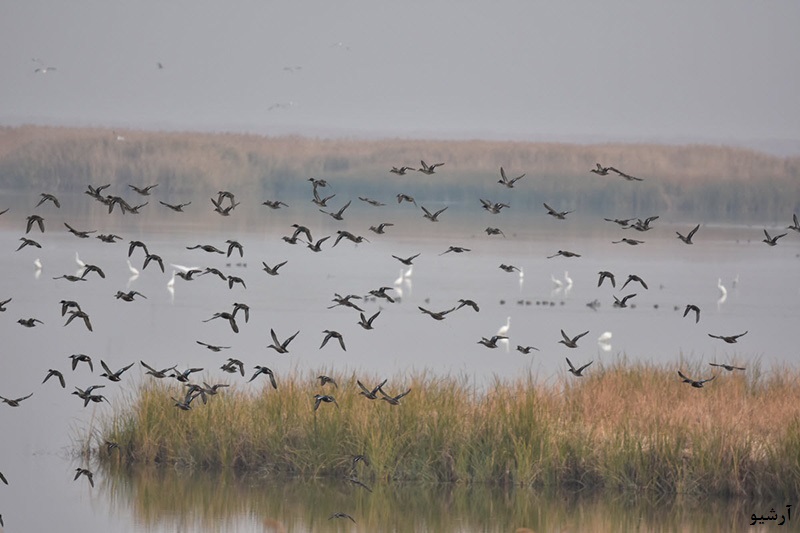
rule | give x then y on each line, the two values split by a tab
623	426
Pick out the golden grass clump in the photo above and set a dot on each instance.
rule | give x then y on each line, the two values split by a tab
624	426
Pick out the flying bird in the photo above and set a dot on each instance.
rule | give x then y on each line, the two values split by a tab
688	238
264	370
578	372
320	398
440	315
508	182
606	274
560	215
433	217
278	346
634	277
333	334
365	322
692	307
571	342
16	401
272	271
695	383
428	169
370	394
729	368
772	241
55	373
730	339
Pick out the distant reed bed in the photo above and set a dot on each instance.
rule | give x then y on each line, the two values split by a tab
624	426
712	181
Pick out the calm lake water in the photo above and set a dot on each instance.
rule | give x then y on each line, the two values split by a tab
38	439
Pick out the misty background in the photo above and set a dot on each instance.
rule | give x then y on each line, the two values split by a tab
719	72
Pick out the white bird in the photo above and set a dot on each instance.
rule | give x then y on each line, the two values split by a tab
556	282
42	68
133	270
568	280
723	293
37	263
400	278
409	273
503	331
78	261
171	282
605	337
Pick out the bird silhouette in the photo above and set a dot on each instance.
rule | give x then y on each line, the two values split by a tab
437	315
433	217
332	334
635	278
51	372
380	229
688	238
772	241
560	215
578	372
408	260
113	376
393	400
692	307
508	182
178	208
264	370
468	303
697	384
277	345
573	341
730	339
365	322
323	380
606	274
370	394
272	271
428	169
326	398
341	515
729	368
81	358
622	303
84	472
16	401
563	253
160	374
338	214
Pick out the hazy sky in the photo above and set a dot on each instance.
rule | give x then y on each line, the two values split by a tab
716	70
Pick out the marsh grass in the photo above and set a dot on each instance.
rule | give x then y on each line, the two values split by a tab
626	426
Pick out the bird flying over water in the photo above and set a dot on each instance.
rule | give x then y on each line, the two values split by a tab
688	238
730	339
695	309
573	341
772	241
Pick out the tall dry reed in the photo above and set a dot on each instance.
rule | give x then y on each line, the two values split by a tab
625	426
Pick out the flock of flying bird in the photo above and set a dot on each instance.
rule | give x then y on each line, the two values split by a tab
223	204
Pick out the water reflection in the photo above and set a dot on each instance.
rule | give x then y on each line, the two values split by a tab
179	500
